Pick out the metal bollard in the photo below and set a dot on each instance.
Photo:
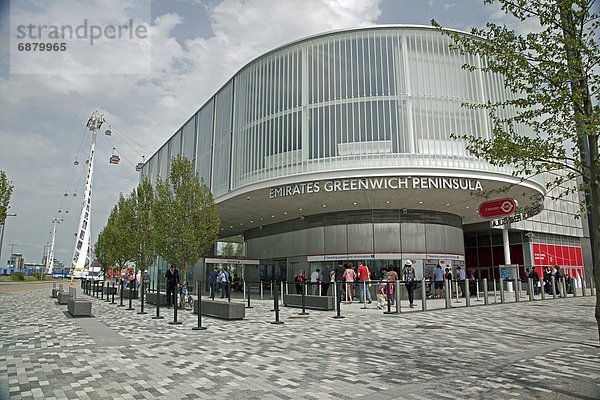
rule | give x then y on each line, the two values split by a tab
338	299
261	291
530	288
423	296
283	285
398	297
107	292
276	308
303	299
573	286
199	327
142	292
121	293
485	291
563	286
130	300
247	294
447	293
592	286
456	291
583	288
553	283
175	307
102	292
517	289
113	292
501	292
467	293
477	290
158	316
543	291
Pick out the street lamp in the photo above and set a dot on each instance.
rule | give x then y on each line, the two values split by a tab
2	234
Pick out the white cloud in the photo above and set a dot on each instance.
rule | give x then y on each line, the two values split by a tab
43	116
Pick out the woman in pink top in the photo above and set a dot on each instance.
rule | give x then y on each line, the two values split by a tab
349	276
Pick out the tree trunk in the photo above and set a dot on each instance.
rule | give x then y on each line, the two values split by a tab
587	141
595	216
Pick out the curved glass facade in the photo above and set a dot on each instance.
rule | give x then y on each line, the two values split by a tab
372	102
376	97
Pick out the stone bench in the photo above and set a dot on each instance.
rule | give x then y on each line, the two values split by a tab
79	308
325	303
56	291
221	309
63	298
151	298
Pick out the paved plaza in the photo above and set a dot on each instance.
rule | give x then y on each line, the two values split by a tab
527	350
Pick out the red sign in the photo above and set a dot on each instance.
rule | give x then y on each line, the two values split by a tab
550	254
497	208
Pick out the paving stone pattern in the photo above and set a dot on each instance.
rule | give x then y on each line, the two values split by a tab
526	350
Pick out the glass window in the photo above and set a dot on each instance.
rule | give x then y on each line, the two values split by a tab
222	149
189	139
204	134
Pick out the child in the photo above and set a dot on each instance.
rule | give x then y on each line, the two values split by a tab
381	297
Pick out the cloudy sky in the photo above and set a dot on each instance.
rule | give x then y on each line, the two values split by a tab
146	88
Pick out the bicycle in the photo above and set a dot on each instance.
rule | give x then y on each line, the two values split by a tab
186	301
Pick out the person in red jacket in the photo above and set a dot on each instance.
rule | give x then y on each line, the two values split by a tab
364	276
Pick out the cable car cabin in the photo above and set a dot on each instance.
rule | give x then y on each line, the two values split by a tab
139	167
115	159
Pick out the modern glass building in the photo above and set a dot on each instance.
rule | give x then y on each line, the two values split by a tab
338	147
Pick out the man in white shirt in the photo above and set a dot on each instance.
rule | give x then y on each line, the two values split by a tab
461	280
315	279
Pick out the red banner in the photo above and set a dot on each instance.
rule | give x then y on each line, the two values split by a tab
550	254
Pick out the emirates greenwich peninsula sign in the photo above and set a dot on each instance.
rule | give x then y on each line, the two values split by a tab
376	183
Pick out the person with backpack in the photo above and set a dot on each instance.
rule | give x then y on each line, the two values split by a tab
409	275
172	276
535	277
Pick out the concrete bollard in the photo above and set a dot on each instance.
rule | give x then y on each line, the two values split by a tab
485	291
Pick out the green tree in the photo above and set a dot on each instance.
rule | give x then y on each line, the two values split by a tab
114	246
554	73
143	249
231	249
6	189
103	250
186	223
